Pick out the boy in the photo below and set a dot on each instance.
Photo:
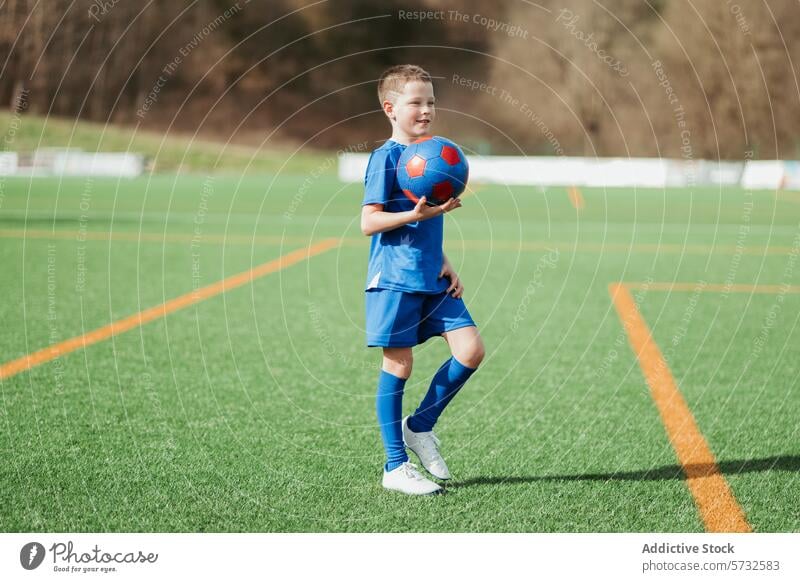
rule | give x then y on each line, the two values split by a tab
412	291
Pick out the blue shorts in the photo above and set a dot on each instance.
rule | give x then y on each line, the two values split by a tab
397	319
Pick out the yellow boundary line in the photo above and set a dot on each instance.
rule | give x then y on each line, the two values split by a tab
576	197
715	501
120	326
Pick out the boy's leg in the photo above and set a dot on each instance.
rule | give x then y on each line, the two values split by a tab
466	347
397	363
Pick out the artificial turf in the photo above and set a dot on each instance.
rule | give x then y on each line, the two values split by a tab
254	410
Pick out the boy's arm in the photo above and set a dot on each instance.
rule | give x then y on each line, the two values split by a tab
375	220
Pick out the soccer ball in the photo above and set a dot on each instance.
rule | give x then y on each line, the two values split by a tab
433	167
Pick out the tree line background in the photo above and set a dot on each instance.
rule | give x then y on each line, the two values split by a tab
702	79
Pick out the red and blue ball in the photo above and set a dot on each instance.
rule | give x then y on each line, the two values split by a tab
434	167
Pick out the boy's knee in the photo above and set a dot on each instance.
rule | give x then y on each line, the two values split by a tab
398	362
399	369
472	355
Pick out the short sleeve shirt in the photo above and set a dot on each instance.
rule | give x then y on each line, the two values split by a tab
407	258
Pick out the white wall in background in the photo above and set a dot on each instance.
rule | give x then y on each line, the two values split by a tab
610	172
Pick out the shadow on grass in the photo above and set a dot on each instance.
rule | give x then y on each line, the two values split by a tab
782	463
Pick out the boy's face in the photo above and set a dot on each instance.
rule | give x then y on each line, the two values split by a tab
412	112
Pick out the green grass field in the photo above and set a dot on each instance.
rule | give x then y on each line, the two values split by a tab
253	410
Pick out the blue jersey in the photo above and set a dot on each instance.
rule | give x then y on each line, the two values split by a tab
408	258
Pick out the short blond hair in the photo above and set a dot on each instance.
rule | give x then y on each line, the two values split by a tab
394	79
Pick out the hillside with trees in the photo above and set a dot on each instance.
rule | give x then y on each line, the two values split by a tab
574	77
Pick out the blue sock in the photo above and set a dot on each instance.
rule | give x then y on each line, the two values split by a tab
389	405
447	381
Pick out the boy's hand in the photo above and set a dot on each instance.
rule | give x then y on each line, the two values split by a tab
423	212
455	283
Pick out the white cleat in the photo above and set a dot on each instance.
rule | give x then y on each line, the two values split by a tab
407	479
426	446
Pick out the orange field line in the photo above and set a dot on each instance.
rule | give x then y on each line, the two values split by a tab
712	287
362	241
116	327
576	198
714	499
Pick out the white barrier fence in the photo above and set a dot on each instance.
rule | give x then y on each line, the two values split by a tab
72	162
8	163
510	170
117	165
611	172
